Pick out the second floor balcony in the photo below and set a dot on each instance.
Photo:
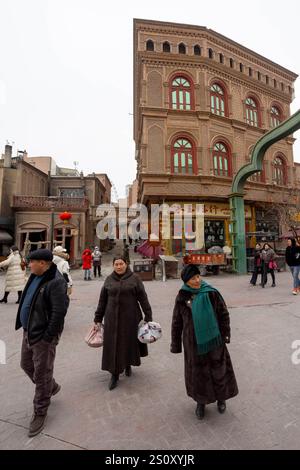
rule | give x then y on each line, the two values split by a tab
46	203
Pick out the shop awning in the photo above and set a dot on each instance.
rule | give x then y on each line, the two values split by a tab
290	234
5	237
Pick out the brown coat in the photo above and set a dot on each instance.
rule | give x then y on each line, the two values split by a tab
208	377
119	305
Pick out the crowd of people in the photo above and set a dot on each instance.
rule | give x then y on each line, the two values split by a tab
200	322
265	263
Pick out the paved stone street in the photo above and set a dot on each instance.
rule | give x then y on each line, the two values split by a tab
150	410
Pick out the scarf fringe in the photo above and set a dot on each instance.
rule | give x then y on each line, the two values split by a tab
210	345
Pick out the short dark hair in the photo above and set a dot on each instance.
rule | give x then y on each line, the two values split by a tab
293	241
120	257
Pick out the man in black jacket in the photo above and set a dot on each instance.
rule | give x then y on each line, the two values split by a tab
41	313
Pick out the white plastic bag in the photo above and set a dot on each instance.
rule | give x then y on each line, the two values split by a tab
149	332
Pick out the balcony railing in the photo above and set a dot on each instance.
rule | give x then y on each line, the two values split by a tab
45	203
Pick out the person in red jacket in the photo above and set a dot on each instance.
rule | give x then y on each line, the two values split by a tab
87	264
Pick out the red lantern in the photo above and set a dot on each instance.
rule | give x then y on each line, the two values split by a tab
65	217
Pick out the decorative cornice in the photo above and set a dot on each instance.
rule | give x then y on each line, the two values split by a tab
201	32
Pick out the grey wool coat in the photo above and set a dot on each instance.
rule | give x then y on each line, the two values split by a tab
122	300
209	377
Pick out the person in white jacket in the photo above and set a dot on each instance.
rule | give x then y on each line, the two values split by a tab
15	276
60	257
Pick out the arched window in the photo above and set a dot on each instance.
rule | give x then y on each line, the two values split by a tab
221	160
181	94
197	50
221	57
150	45
279	170
250	72
217	100
166	47
241	67
210	53
252	116
275	83
181	48
183	157
267	80
258	76
275	116
259	177
231	63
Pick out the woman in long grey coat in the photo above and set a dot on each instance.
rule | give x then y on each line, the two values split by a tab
15	276
121	299
201	322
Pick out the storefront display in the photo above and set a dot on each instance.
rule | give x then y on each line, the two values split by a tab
214	233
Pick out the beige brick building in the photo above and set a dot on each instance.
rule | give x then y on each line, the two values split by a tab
201	101
33	196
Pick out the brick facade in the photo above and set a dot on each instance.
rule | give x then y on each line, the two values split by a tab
156	124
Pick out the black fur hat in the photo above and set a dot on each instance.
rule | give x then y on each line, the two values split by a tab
188	272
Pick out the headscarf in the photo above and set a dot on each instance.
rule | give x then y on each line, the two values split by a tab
207	332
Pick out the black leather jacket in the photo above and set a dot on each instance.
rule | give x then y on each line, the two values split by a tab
48	307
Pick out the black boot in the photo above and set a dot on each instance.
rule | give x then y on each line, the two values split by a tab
273	285
200	411
221	406
113	381
4	300
128	371
19	296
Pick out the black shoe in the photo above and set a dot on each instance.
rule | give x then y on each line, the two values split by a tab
3	301
200	411
263	286
273	285
113	382
56	390
128	371
37	424
221	406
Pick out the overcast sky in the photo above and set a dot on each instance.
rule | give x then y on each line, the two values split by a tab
66	70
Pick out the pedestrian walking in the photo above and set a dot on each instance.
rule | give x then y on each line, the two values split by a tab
121	299
292	258
87	264
201	322
257	265
41	313
15	276
60	258
268	264
97	258
126	253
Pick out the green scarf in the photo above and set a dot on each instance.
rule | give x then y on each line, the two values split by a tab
206	327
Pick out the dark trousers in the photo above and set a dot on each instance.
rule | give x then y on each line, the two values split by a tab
37	361
99	270
256	272
265	271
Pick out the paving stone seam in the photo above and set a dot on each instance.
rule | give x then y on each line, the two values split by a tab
44	434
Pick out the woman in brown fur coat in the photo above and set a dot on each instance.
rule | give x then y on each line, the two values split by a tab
122	300
201	322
